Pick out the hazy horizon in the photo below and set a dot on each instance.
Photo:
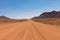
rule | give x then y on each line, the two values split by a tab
20	9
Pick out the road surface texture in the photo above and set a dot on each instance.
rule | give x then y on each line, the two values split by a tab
29	30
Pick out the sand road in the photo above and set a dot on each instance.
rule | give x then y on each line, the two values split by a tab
29	30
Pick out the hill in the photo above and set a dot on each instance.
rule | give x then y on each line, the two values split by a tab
7	19
49	18
53	14
4	18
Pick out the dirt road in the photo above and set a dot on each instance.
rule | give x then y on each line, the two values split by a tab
29	30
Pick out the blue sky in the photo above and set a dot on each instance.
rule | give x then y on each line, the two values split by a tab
20	9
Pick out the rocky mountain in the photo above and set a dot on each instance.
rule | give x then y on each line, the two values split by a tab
53	14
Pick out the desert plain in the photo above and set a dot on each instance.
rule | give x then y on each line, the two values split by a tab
29	30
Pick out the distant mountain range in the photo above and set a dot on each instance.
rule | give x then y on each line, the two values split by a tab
7	19
53	14
4	18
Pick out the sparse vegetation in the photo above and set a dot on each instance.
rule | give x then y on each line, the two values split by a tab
53	21
4	19
48	18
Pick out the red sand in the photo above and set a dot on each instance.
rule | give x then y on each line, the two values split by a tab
29	30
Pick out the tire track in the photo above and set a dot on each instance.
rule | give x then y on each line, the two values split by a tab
47	32
28	30
38	31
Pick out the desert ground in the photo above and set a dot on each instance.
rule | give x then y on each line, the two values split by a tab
51	21
29	30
